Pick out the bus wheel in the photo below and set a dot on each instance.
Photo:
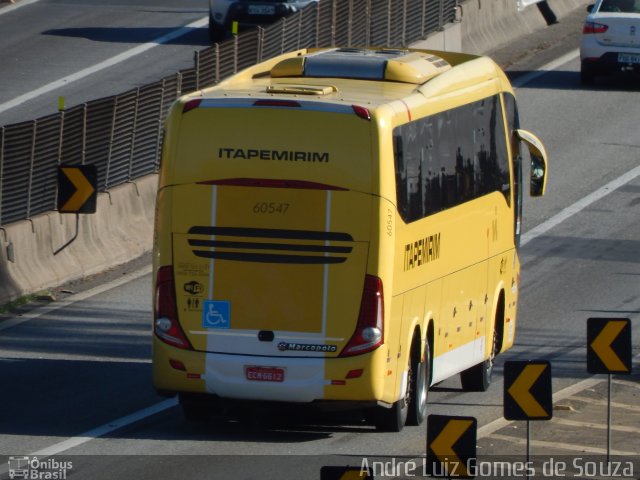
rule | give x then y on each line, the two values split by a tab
420	379
478	377
391	419
194	407
394	419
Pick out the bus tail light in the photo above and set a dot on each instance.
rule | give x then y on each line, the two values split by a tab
369	333
165	321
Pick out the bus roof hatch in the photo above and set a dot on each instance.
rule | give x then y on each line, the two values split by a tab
366	64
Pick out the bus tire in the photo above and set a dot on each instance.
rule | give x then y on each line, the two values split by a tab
391	419
421	377
193	406
395	418
478	377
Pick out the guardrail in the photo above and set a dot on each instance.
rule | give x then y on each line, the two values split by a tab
122	134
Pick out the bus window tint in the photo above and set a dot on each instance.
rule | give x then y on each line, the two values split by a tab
450	158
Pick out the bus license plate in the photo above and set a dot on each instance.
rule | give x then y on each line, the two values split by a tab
628	58
264	374
261	10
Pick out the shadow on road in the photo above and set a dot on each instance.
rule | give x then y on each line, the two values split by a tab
196	36
570	80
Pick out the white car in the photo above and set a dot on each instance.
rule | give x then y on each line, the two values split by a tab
610	39
248	13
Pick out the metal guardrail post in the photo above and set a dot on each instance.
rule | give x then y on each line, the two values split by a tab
283	32
134	130
33	157
389	22
114	116
260	44
298	46
84	134
349	23
58	160
404	23
217	50
196	61
334	16
423	19
367	33
235	53
317	7
179	85
156	167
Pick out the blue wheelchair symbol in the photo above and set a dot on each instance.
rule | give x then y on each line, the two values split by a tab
216	314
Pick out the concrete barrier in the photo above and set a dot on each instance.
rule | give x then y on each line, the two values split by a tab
487	24
120	230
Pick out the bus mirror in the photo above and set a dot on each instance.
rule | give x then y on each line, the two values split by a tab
538	162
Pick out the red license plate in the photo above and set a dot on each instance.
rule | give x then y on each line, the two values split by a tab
264	374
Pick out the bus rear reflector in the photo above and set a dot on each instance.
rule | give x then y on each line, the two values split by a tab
177	364
165	319
369	333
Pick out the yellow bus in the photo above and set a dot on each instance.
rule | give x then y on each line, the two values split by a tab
340	227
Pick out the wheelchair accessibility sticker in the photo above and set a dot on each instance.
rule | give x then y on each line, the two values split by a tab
216	314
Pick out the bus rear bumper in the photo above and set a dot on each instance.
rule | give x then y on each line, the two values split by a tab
277	379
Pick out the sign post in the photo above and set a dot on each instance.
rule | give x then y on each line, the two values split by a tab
77	193
609	352
527	393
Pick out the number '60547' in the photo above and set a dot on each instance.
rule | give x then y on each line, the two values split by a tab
270	207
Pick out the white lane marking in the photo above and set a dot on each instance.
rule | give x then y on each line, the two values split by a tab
75	298
604	403
561	446
553	65
596	426
102	65
11	8
580	205
100	431
9	356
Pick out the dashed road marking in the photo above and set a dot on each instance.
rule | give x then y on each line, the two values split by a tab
597	426
603	403
561	445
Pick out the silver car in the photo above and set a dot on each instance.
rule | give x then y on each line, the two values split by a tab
248	13
610	39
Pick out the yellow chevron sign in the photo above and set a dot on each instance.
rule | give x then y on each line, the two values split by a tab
77	189
451	445
527	390
609	345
